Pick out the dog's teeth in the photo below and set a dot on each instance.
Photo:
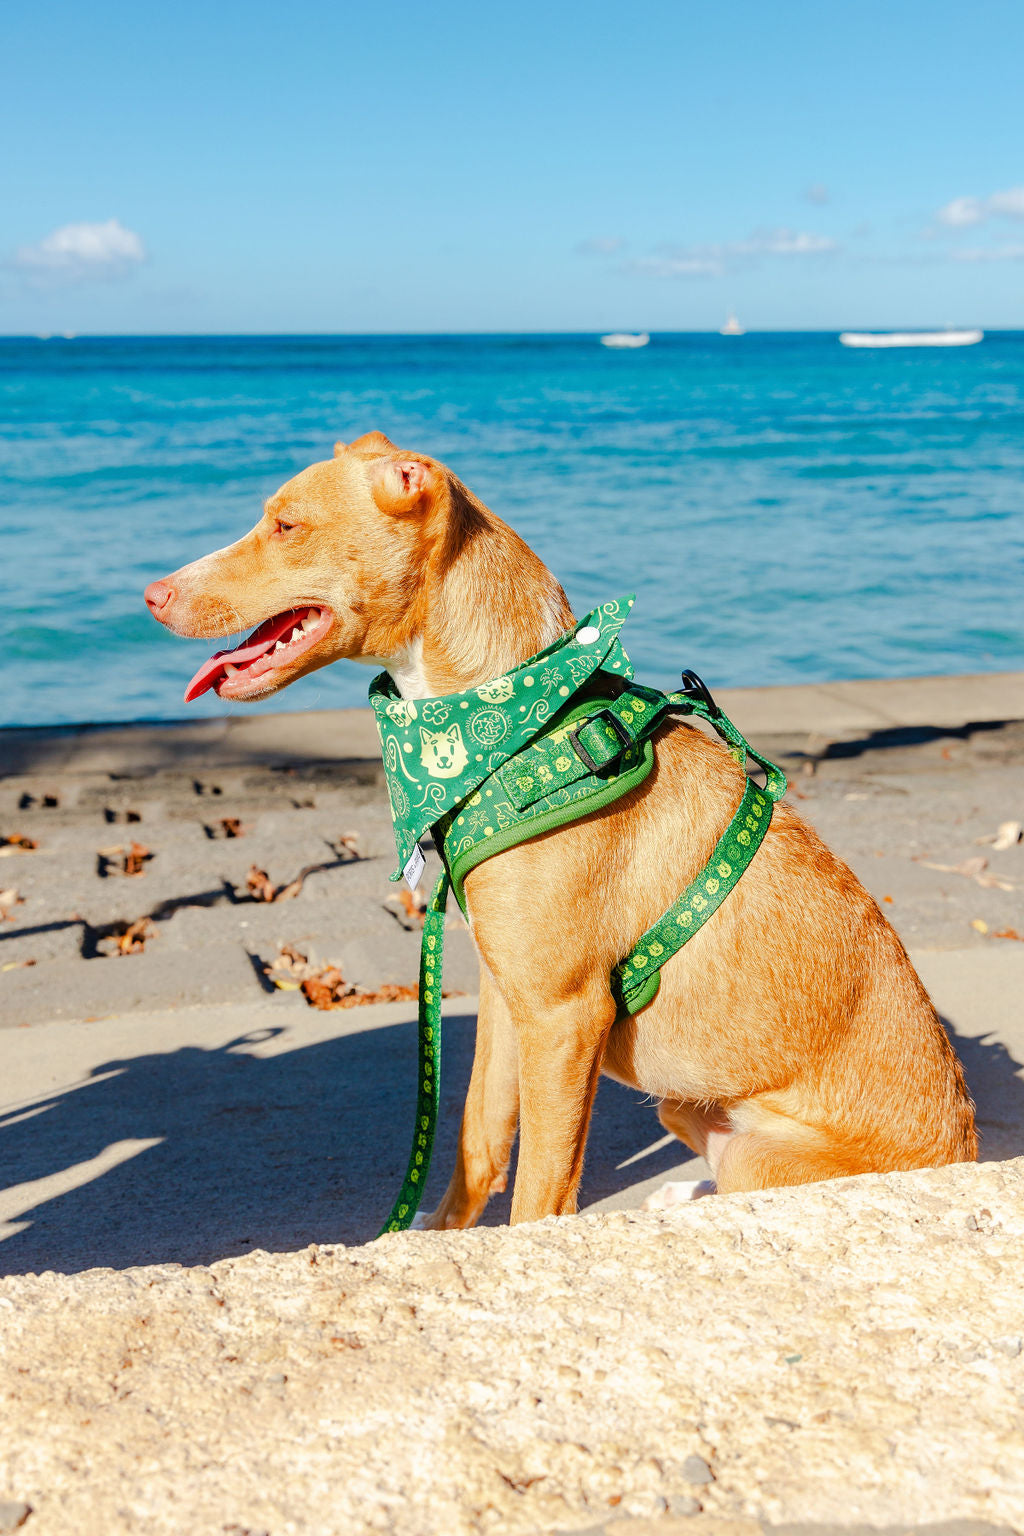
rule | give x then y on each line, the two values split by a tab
296	634
310	622
231	670
280	646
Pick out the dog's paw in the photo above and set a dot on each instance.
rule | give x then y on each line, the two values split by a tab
680	1192
421	1222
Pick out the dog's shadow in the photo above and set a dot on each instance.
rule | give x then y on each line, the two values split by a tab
199	1154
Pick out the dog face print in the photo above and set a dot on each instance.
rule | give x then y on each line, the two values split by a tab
443	753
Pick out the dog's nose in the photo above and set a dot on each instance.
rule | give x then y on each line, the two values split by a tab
158	595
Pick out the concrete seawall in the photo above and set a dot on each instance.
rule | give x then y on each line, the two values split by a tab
821	712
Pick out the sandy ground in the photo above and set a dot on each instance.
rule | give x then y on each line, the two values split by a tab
892	804
172	1104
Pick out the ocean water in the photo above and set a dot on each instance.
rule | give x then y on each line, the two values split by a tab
785	510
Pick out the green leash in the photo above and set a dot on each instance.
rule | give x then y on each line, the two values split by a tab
428	1087
576	759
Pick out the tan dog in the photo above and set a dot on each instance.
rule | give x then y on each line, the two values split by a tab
791	1039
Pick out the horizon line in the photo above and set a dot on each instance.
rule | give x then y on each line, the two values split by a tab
1004	330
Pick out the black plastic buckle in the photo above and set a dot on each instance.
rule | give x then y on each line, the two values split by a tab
581	751
694	687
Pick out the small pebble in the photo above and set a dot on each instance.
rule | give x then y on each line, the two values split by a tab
13	1514
696	1470
682	1504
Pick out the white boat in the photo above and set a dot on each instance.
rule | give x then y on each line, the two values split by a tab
625	339
732	326
910	338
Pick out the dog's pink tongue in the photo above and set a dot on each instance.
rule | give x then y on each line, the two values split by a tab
212	670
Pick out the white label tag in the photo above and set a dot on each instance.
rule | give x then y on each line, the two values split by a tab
414	868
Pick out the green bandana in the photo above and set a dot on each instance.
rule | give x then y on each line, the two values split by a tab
438	751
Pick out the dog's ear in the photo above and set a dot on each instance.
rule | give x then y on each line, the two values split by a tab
370	442
402	485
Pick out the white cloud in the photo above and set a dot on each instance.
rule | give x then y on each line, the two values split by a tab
678	266
787	242
989	253
714	260
966	212
1008	204
601	245
79	251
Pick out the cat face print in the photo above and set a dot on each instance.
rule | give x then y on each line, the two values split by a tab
443	753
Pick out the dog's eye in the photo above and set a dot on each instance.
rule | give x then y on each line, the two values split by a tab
283	527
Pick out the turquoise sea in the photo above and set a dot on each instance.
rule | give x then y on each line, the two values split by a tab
785	510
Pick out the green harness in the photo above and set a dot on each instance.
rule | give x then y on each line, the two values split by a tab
564	735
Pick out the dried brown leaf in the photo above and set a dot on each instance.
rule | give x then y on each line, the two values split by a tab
19	840
260	888
227	826
127	938
136	859
409	907
125	861
258	884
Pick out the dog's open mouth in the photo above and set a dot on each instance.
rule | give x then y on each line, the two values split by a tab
270	648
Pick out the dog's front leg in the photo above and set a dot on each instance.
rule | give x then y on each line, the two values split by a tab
489	1118
560	1049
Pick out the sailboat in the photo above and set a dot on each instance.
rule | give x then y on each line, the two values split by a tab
625	339
732	326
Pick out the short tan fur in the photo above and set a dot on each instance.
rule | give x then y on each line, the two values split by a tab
791	1039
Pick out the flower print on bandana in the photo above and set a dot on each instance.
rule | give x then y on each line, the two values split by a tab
436	712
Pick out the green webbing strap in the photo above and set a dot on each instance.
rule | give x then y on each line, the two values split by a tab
636	979
573	752
738	744
428	1094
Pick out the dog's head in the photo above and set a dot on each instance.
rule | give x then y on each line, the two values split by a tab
332	569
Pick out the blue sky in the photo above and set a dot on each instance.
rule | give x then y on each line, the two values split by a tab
448	166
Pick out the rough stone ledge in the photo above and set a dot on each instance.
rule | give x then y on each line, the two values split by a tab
846	1355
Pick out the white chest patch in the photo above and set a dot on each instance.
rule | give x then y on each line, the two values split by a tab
407	671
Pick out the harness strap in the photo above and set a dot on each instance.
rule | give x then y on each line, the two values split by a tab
573	752
635	980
